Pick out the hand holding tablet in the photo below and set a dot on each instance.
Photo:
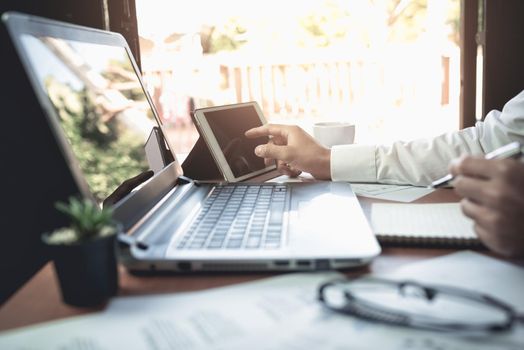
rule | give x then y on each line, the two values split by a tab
244	146
294	150
223	129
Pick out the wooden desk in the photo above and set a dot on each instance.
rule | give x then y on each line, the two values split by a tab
39	299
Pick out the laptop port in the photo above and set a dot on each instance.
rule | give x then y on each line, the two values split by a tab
303	263
142	245
322	264
281	263
184	266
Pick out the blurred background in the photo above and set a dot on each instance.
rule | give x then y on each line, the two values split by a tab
389	66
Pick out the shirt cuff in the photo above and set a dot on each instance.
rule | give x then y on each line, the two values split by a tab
353	163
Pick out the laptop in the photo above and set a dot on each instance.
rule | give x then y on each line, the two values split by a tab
88	85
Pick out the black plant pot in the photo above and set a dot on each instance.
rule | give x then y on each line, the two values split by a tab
87	272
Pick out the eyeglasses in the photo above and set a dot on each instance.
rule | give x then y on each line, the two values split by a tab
412	304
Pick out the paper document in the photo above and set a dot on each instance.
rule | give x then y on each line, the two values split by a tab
200	320
391	192
444	220
278	313
466	269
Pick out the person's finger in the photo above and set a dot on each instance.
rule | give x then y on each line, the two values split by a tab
484	235
276	130
498	241
269	161
480	214
283	169
494	226
473	166
483	216
293	172
472	188
276	141
279	141
287	169
272	151
282	166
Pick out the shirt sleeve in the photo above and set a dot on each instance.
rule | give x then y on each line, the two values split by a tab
421	161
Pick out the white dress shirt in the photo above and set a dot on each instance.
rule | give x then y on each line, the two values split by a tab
421	161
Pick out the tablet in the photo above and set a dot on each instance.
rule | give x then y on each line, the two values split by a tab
223	129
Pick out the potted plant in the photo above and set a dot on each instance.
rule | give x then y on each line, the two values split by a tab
84	253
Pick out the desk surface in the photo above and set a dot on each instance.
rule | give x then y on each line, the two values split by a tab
39	299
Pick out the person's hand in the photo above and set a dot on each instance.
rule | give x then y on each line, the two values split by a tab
293	149
493	192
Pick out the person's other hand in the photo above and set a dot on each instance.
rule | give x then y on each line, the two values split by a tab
293	149
493	192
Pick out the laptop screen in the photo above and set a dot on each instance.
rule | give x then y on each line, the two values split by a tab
100	104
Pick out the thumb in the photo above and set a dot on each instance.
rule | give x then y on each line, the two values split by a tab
272	151
454	166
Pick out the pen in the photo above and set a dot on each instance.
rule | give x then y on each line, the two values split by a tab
511	150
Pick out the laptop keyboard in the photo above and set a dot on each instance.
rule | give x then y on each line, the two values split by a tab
239	217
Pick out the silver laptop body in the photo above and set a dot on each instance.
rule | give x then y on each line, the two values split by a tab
173	223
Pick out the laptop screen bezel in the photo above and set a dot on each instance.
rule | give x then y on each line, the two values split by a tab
18	25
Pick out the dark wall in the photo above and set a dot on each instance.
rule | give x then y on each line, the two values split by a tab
89	13
115	15
34	173
122	19
503	39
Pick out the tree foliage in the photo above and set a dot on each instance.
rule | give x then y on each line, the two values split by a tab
106	153
335	22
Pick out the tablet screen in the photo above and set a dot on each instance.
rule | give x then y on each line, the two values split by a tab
229	126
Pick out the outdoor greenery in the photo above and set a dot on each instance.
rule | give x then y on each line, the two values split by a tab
107	154
334	22
228	37
121	71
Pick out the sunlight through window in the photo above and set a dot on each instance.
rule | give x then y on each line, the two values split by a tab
389	66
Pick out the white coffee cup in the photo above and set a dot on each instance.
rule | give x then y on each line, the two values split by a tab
334	133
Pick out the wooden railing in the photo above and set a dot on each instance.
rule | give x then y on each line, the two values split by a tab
310	86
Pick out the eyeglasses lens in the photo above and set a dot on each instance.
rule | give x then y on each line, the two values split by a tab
413	300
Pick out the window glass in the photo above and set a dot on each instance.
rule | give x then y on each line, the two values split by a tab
389	66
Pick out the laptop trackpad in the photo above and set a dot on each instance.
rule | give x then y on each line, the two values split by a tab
324	216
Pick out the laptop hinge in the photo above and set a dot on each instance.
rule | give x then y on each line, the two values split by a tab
184	180
126	241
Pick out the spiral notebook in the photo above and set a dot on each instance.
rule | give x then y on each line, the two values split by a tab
441	224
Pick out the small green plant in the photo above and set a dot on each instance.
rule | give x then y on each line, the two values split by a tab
88	222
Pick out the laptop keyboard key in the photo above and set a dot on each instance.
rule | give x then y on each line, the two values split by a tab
236	217
272	244
234	243
253	242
